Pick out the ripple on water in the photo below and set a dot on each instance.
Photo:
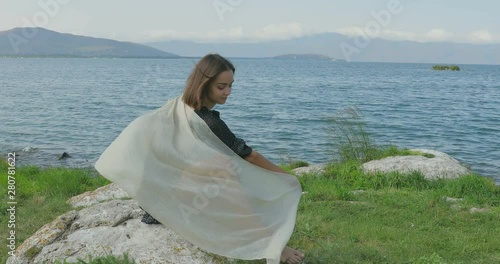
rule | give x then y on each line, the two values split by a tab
278	107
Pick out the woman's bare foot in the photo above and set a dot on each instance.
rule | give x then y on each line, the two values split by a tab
291	256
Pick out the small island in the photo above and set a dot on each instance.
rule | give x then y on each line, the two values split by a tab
445	67
306	56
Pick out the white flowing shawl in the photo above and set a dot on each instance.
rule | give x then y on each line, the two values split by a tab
181	173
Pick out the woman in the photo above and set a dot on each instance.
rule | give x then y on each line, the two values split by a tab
188	170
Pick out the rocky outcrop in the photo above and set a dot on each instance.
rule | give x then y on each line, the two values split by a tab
311	169
108	225
439	166
105	193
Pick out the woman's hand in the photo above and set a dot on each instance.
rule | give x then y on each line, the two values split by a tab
257	159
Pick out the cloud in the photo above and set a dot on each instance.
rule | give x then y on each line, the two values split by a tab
211	36
399	35
352	31
292	30
237	34
433	35
280	31
437	34
481	36
384	34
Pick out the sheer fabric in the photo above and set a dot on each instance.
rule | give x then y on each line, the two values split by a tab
222	131
188	179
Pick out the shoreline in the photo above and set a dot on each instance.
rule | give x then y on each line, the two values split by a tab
72	163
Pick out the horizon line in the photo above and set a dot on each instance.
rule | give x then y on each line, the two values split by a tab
259	41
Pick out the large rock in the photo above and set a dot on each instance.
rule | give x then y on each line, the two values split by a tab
440	166
311	169
103	228
105	193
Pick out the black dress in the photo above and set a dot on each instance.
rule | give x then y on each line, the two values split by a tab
220	129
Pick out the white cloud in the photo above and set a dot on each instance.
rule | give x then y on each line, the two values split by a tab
279	31
223	35
481	36
437	34
237	34
385	34
291	30
433	35
399	35
352	31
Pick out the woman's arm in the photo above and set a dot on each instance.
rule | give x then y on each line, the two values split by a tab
257	159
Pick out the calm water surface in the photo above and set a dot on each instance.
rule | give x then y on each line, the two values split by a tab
280	107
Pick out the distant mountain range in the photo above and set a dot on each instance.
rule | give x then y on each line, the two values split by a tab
40	42
308	56
43	42
345	48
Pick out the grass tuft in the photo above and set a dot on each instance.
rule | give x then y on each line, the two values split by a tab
349	138
288	164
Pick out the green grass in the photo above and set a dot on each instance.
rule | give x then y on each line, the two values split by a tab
41	196
399	218
345	215
289	164
446	67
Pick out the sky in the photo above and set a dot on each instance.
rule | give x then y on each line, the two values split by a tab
226	21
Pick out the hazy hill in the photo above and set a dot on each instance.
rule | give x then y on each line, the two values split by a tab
308	56
43	42
330	44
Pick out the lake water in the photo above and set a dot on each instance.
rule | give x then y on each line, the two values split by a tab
280	107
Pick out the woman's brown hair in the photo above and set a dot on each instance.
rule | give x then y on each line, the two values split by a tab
203	73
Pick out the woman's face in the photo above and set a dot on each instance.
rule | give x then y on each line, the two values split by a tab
219	89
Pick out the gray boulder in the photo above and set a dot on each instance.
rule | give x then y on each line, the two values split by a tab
440	166
311	169
103	228
102	194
